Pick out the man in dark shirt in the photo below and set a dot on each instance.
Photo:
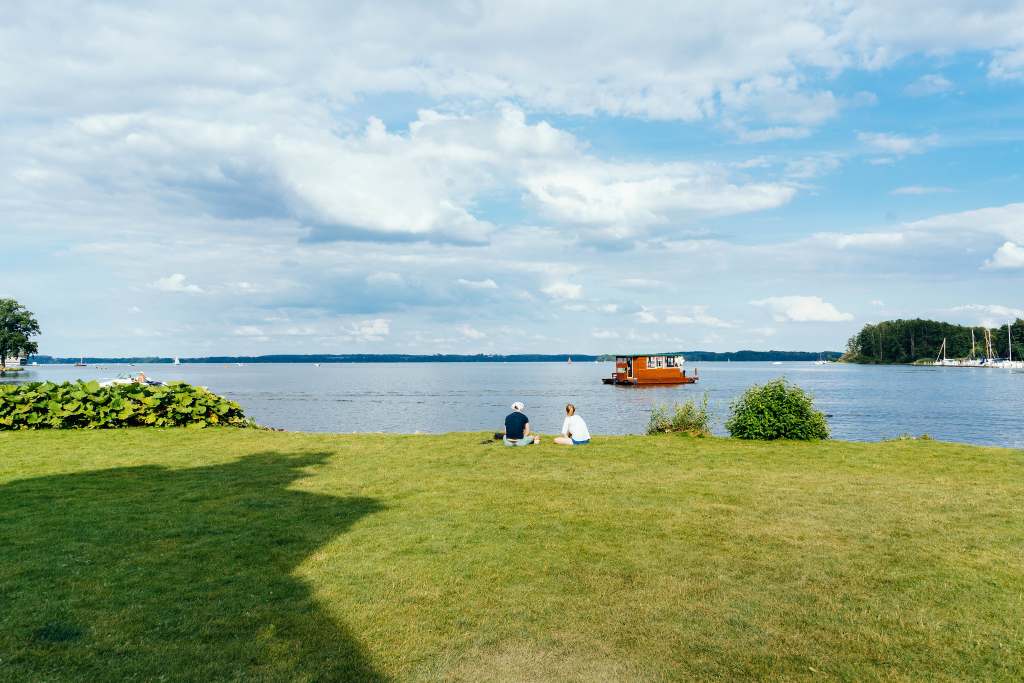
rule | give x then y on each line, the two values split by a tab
517	428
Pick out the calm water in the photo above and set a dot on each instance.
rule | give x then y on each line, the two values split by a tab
865	403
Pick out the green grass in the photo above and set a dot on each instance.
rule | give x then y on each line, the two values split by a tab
246	555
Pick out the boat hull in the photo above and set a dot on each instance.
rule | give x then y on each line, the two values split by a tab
654	382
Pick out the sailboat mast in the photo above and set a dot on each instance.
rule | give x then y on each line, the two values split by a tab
1009	343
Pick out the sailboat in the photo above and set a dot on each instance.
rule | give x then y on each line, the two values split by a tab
80	363
1009	363
177	361
942	360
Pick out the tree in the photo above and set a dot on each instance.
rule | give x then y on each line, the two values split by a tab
17	327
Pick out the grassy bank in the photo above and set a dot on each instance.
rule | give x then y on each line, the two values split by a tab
222	554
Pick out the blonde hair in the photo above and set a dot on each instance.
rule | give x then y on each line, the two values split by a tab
570	409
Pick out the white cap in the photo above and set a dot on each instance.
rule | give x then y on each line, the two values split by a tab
518	406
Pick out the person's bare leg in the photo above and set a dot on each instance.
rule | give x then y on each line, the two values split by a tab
563	441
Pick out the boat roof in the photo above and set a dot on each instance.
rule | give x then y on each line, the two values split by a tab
660	353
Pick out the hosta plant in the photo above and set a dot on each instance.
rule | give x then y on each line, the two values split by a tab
87	405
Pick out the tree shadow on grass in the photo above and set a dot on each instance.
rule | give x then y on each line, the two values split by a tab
175	574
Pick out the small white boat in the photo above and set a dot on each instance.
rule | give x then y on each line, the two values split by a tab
777	362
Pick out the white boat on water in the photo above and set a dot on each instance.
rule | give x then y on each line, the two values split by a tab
177	361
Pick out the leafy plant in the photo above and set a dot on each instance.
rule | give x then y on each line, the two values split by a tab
686	418
87	405
776	410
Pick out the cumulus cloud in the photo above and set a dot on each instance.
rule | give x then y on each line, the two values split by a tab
919	190
1010	255
176	283
929	84
470	332
997	311
638	195
697	315
487	283
899	145
645	317
1007	65
563	290
802	309
375	329
604	334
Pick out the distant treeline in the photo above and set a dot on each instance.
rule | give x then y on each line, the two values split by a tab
440	358
907	341
330	358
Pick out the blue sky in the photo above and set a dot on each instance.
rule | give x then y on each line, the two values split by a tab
196	178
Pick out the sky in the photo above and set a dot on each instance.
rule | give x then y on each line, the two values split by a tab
202	178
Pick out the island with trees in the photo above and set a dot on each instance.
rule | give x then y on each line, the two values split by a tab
920	341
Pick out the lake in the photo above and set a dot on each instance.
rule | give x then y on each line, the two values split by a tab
864	403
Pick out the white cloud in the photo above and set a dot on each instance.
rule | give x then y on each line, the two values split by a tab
697	315
802	309
1004	221
645	317
865	239
563	290
995	310
877	302
639	195
477	284
470	332
890	143
929	84
604	334
813	166
249	331
375	329
919	190
641	283
1008	65
176	283
1010	255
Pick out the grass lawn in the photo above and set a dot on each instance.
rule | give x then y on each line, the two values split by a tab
245	555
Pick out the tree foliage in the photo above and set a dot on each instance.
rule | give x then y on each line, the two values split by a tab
907	341
776	410
87	405
17	327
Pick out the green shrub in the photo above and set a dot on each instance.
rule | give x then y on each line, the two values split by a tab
87	405
777	410
686	418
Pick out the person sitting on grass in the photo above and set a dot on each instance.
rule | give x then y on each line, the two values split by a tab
574	429
517	428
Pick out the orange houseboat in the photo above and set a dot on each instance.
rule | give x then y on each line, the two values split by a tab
655	369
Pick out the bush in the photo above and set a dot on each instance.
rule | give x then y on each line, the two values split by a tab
87	405
686	418
777	410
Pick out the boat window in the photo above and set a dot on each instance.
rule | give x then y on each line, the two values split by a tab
672	362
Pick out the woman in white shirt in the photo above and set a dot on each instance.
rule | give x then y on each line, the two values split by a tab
574	429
